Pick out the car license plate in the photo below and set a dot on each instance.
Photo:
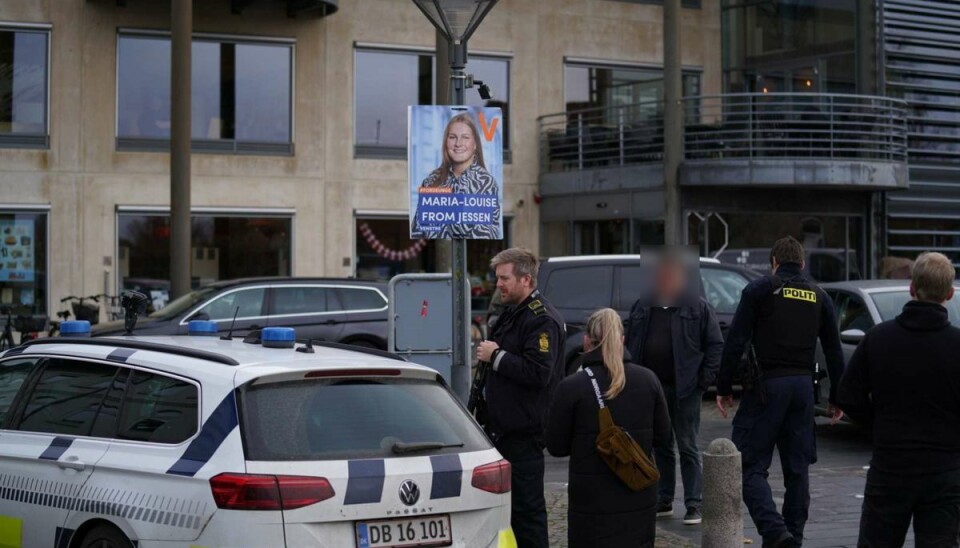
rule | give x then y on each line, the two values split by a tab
401	533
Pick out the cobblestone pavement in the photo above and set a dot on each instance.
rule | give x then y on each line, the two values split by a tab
836	489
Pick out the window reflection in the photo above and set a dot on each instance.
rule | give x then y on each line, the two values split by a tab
239	91
387	82
602	87
786	46
223	247
23	82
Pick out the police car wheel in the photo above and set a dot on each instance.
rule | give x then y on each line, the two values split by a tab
105	536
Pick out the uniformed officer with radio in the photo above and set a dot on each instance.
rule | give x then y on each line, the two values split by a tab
524	353
782	316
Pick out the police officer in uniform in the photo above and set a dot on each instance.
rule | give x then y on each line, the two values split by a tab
524	352
781	316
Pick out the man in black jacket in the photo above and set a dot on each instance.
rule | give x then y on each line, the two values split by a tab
904	381
680	341
525	354
781	316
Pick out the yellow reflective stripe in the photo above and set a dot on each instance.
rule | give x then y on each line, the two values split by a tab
506	539
10	532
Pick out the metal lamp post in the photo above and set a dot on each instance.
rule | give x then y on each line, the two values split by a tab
457	20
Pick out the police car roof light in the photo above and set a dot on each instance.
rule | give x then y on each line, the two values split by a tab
202	328
278	337
353	373
75	328
493	477
262	492
140	345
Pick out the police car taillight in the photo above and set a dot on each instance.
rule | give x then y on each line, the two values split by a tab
493	477
261	492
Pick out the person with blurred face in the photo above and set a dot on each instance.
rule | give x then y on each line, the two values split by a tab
463	171
675	334
525	354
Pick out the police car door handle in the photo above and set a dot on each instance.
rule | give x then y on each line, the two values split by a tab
72	463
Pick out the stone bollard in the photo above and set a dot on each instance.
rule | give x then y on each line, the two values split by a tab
722	496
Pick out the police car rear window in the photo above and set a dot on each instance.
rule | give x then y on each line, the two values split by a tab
330	419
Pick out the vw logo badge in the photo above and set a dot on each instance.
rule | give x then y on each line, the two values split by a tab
409	493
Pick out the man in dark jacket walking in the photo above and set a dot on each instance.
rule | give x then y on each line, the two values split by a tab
682	344
904	382
781	317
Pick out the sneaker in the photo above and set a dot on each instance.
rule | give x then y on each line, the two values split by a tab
693	517
665	511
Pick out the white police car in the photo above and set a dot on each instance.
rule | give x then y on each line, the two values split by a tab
202	442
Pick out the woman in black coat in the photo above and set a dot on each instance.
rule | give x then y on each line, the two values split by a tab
603	511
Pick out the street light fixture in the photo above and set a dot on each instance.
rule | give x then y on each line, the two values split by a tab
457	20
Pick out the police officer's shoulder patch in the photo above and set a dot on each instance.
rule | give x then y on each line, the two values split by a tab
537	307
544	342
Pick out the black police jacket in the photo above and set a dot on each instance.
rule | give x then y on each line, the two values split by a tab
527	367
789	312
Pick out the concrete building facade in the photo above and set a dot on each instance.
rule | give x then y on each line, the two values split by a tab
84	176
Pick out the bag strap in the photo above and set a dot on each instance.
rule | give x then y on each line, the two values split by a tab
596	387
604	416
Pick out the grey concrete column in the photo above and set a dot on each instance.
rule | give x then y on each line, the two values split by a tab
181	41
722	496
672	120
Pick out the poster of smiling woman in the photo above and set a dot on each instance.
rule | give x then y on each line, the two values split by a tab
455	158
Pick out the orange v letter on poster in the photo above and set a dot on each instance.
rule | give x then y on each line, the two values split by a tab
488	132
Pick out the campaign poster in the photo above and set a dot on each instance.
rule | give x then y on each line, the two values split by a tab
17	247
455	157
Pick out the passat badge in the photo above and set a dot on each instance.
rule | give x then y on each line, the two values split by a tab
409	493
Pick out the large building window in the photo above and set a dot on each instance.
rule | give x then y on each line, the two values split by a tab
225	246
23	261
384	249
601	89
388	81
241	95
24	74
787	46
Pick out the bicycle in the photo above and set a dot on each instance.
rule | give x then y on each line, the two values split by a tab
114	310
27	326
54	330
84	311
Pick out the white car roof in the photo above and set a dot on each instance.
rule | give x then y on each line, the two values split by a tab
196	357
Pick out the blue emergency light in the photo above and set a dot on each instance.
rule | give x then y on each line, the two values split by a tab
278	337
202	328
75	328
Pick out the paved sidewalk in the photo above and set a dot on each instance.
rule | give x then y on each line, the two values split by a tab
836	489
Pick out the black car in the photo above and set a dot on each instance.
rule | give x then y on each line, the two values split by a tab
578	286
337	310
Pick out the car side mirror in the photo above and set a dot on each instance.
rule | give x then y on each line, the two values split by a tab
852	336
199	316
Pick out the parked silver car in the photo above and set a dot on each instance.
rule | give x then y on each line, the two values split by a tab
863	304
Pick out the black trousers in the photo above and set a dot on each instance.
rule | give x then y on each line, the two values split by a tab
529	508
891	501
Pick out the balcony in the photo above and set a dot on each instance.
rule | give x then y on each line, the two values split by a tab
769	139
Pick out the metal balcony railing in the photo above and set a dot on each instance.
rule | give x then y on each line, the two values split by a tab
731	126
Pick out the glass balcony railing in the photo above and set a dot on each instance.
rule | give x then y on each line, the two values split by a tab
732	126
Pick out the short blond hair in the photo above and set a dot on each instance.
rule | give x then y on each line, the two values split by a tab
524	262
933	276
